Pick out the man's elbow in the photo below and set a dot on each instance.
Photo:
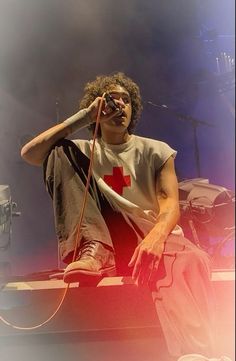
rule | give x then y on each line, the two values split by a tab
27	154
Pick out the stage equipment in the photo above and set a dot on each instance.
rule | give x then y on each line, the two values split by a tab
7	211
207	217
5	216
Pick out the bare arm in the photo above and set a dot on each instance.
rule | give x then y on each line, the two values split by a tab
148	253
168	199
35	151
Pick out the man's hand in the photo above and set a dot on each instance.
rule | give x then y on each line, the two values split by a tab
106	114
146	258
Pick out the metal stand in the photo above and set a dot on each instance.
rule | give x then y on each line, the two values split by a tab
195	122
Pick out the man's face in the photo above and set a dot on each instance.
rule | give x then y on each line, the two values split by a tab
119	122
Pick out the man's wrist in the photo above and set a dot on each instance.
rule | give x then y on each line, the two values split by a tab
79	120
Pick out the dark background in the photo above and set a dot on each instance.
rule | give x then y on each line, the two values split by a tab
50	48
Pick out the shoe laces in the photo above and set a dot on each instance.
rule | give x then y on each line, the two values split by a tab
86	249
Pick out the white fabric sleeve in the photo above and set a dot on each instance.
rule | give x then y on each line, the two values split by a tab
78	121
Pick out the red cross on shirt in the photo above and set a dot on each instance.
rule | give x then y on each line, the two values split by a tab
117	181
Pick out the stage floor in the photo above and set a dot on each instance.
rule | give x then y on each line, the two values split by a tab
114	320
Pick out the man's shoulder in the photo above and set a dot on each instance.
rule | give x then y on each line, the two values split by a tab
149	142
81	143
155	149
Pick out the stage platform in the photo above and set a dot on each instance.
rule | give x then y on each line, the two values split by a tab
114	320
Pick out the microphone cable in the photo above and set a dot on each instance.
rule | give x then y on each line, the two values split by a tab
29	328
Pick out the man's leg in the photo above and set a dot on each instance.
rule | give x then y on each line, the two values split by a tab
103	228
184	298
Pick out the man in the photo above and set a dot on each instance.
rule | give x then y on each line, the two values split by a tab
131	212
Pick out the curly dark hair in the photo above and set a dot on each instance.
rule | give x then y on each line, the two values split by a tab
103	83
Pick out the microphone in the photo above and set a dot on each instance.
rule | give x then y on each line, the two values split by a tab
110	103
